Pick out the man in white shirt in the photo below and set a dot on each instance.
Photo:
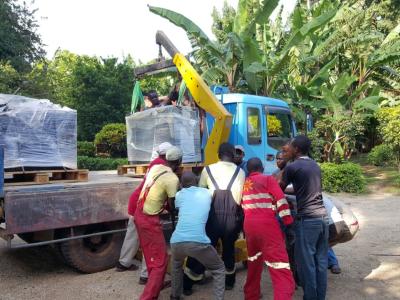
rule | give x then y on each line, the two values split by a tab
225	181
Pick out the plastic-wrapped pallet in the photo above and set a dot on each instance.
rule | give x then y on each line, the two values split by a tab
179	126
37	133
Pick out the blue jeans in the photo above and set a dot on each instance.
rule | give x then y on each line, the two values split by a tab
332	259
311	256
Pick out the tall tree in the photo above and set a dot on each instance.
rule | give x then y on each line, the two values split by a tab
20	44
223	22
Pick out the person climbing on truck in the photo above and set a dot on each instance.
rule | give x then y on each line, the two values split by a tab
159	189
225	181
262	201
190	239
130	245
151	100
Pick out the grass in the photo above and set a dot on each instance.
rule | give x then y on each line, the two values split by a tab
379	179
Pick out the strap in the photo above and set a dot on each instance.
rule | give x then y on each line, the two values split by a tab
158	176
233	178
212	178
147	188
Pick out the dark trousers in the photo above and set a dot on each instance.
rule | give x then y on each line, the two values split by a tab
332	259
311	255
227	232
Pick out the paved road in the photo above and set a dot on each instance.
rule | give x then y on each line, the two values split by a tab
370	263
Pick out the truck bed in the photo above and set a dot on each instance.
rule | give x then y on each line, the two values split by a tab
103	198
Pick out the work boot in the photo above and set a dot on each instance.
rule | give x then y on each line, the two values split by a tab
230	280
166	284
121	268
336	269
143	280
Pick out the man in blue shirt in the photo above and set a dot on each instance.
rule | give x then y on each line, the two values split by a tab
190	239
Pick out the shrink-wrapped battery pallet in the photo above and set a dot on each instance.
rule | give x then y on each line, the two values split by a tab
37	134
179	126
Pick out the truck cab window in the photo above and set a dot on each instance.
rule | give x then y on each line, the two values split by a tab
253	126
279	127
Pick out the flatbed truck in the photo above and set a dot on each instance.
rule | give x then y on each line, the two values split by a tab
85	221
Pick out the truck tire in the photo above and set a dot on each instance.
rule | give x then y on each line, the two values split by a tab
93	254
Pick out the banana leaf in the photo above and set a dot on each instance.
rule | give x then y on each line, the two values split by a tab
244	23
333	103
343	84
368	103
197	36
323	73
298	37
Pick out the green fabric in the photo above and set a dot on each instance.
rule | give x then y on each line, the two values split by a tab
137	98
182	90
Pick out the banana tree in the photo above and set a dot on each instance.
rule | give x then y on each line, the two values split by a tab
369	54
343	121
264	73
219	63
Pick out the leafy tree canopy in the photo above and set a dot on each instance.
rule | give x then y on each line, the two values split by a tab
20	44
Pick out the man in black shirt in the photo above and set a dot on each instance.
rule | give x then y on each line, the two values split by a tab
311	226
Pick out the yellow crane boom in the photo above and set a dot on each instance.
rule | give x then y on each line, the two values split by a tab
204	98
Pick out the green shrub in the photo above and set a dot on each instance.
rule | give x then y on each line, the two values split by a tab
346	177
389	124
380	155
397	181
111	140
98	163
86	149
339	136
317	146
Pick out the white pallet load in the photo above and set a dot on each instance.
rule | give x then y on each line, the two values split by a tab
37	133
178	125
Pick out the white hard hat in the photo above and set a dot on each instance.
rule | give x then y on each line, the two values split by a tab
173	154
239	147
163	148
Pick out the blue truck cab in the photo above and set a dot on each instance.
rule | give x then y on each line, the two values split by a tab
262	125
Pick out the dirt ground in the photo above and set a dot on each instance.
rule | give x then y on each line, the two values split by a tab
370	264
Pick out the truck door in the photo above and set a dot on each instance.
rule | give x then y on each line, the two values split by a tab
251	134
279	129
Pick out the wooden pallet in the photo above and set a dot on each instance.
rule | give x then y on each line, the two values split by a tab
141	170
45	177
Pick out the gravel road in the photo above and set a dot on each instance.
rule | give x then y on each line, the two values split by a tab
370	264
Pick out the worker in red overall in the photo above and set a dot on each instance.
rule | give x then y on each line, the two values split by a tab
262	201
130	245
160	188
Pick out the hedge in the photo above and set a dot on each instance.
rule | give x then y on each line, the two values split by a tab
86	149
346	177
99	164
381	155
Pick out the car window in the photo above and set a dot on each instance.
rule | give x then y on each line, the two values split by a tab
253	126
279	127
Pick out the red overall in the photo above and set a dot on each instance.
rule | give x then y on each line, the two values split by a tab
262	199
134	198
154	249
